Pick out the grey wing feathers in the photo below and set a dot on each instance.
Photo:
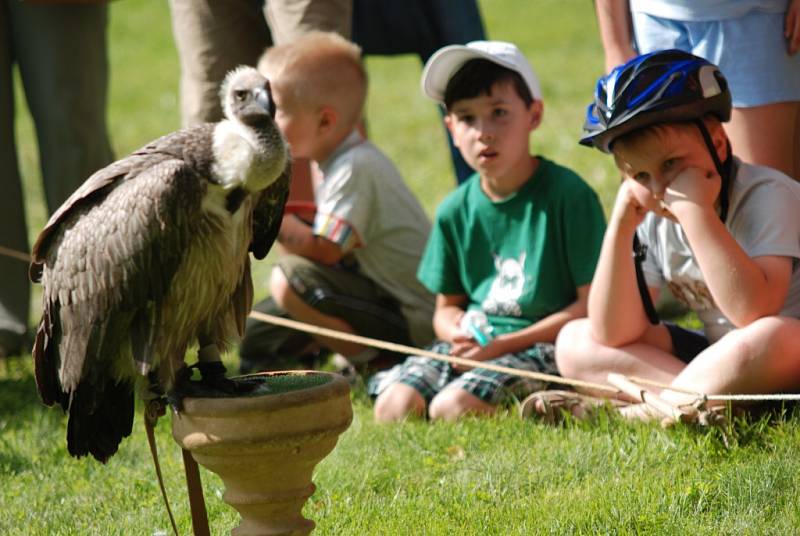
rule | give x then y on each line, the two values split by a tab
107	265
182	145
268	213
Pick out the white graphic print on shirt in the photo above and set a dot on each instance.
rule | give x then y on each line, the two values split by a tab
506	288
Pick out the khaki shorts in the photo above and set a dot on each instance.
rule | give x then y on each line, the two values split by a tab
333	290
290	19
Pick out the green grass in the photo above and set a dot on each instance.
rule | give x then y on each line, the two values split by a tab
480	476
490	476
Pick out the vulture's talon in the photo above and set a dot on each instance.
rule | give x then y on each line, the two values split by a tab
212	383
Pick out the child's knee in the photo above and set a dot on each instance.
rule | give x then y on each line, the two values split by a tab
397	402
454	403
771	335
573	346
279	286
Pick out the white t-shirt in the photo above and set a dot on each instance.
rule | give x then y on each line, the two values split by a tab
706	10
763	217
365	207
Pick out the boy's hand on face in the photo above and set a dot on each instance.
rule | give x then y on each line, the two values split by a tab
628	210
692	188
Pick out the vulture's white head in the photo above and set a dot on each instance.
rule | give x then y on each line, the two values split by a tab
246	96
249	150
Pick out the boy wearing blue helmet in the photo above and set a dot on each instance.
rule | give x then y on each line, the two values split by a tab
723	235
516	243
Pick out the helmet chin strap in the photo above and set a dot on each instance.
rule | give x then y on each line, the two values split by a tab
724	169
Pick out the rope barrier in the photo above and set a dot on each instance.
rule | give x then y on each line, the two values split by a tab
410	350
14	254
730	397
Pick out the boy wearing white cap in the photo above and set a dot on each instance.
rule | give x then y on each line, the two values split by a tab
517	243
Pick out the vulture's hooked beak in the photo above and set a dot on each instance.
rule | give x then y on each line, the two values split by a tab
264	99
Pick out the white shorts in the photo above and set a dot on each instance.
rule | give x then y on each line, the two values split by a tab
750	51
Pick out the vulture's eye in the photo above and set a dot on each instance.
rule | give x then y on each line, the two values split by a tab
240	94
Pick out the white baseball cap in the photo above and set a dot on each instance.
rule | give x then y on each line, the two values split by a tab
441	67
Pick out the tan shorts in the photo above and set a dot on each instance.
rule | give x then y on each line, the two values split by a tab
336	291
290	19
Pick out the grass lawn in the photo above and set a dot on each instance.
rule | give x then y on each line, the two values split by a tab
490	476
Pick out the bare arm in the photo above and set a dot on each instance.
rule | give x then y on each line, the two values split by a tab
297	237
744	288
616	31
615	308
545	330
447	317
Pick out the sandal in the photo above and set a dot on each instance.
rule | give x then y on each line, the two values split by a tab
552	406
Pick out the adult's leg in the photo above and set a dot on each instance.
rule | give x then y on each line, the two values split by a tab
455	26
213	37
768	135
62	57
290	19
764	81
580	356
14	284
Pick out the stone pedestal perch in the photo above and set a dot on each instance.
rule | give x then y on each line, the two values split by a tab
265	446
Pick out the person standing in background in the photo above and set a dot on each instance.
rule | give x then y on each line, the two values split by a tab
60	52
214	37
755	45
421	27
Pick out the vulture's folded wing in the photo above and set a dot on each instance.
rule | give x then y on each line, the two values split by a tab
174	146
268	213
106	261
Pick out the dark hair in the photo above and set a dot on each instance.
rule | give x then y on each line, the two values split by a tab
476	77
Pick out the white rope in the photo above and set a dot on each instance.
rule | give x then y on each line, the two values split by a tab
409	350
14	254
731	397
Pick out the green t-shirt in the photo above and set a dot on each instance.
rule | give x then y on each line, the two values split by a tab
521	258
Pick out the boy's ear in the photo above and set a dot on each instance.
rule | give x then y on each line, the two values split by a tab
536	110
719	138
328	117
448	122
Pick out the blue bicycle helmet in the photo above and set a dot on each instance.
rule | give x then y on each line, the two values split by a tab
663	86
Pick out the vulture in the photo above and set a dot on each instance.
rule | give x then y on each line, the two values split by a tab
151	254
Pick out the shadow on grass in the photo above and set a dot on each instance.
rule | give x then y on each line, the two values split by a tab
19	408
19	400
13	462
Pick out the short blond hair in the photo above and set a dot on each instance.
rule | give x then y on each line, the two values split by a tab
319	69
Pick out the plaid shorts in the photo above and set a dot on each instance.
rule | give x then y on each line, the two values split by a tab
429	376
